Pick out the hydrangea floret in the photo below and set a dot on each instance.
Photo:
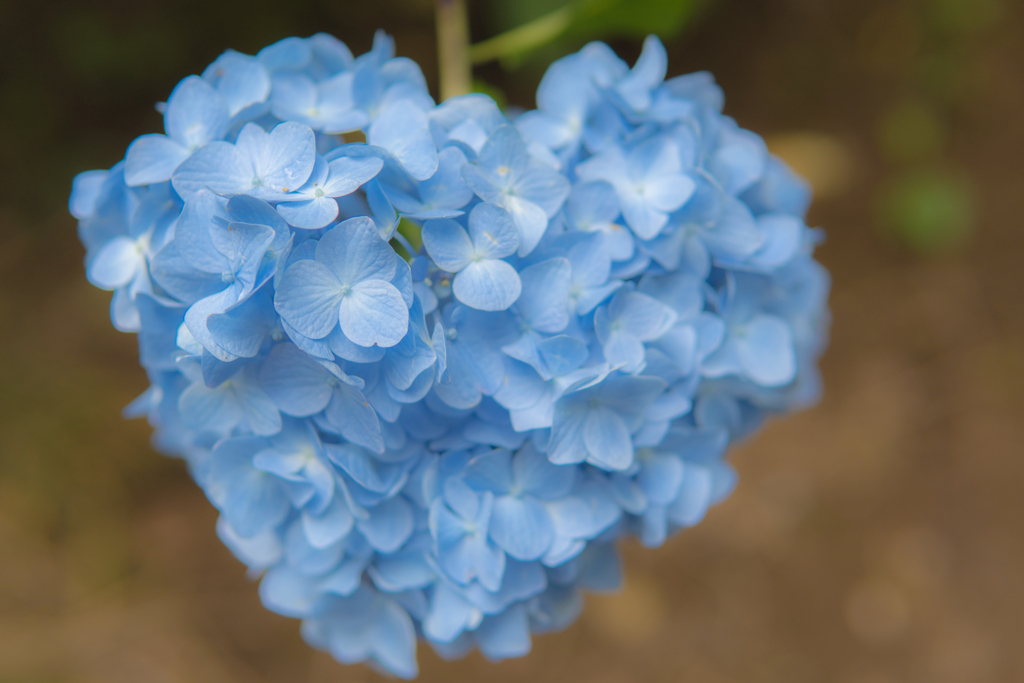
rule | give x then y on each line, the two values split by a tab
445	444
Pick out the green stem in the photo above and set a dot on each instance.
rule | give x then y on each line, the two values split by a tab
453	48
523	38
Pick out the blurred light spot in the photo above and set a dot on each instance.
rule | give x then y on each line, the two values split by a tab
630	616
962	655
877	611
823	160
911	131
920	558
929	210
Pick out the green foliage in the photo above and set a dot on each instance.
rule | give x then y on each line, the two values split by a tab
911	131
629	18
535	24
965	16
411	232
929	210
492	91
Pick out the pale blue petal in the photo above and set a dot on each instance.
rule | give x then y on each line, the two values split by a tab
374	312
180	279
259	552
317	348
535	475
660	477
402	280
522	386
571	518
487	285
282	160
506	634
591	264
329	527
242	329
492	231
403	570
255	503
607	440
562	354
394	641
450	614
285	54
402	130
445	190
310	214
448	244
463	500
668	193
740	159
349	412
218	167
86	190
195	114
309	297
296	383
406	360
766	351
735	234
530	219
203	408
354	251
646	75
116	263
640	316
152	159
294	96
694	496
198	313
348	173
347	349
244	82
567	445
643	218
505	150
389	525
544	302
284	591
543	186
783	241
363	468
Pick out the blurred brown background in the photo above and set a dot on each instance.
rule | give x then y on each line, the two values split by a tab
878	538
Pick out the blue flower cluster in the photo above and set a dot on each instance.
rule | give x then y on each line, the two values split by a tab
610	290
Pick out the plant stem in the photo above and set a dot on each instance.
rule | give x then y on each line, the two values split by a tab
453	48
523	38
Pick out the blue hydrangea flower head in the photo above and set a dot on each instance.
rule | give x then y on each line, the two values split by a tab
611	289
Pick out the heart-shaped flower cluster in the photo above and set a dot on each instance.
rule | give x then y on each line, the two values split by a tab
610	289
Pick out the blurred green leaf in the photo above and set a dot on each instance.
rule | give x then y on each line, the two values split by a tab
911	131
492	91
965	16
929	210
582	20
411	232
597	18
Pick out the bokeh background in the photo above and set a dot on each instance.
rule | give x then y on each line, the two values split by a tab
878	538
